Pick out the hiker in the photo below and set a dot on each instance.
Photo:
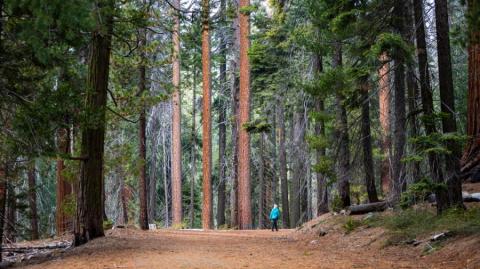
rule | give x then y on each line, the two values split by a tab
274	214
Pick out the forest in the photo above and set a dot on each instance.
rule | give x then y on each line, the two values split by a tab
204	114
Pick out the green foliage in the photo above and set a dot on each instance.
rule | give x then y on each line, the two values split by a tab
418	192
247	10
393	45
257	126
416	223
336	203
325	166
351	224
107	224
318	142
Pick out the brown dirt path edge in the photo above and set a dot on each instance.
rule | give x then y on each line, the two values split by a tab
128	248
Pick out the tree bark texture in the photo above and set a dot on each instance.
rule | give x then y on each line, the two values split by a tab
384	97
89	216
177	214
449	124
244	188
206	121
399	131
367	146
471	155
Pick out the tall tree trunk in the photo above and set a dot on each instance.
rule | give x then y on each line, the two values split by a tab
367	145
64	188
191	209
385	123
436	172
471	154
399	131
447	98
297	196
206	120
177	214
282	162
244	188
32	201
222	125
343	158
89	219
142	139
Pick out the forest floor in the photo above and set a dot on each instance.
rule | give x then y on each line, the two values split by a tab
302	248
331	241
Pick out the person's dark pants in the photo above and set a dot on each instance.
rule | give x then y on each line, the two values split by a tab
275	224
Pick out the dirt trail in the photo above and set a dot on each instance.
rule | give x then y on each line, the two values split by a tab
128	248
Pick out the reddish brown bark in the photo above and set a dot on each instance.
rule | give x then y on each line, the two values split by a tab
471	154
384	115
64	188
244	188
176	125
90	205
206	120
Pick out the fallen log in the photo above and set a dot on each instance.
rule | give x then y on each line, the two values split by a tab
366	208
34	248
467	197
471	197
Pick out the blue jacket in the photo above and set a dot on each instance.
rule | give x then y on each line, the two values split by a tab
275	213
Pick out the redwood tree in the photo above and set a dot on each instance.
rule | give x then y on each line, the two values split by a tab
471	155
206	120
89	216
176	162
384	117
244	188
